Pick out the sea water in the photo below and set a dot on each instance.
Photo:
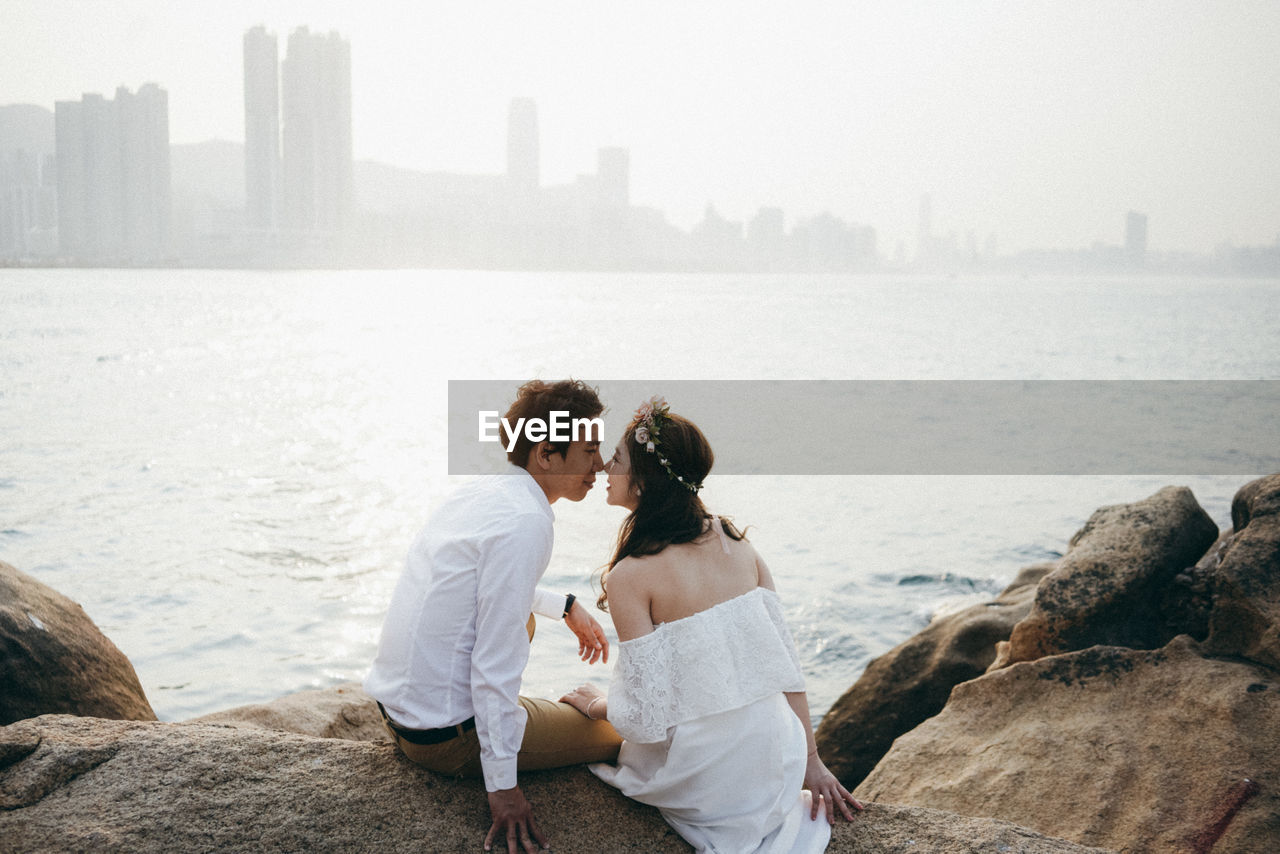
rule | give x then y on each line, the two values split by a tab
225	468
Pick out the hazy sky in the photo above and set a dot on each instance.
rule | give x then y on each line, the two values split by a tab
1040	122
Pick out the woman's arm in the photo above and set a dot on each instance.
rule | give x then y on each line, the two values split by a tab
825	788
629	608
629	602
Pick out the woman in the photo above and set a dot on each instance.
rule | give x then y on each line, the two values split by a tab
707	690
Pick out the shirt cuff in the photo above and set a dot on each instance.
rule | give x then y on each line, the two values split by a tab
548	604
499	774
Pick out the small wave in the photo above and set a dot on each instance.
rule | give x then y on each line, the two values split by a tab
1032	553
944	579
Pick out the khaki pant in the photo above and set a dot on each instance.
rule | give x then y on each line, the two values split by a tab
555	735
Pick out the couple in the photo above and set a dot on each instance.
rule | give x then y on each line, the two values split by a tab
707	693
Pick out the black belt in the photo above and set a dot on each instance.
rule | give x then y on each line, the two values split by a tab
428	736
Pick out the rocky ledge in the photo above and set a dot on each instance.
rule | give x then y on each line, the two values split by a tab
1129	700
1125	698
86	784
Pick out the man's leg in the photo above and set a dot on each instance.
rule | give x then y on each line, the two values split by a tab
455	757
557	734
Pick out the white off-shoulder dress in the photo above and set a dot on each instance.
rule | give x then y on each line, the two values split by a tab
709	738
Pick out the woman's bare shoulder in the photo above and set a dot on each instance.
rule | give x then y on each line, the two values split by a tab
628	573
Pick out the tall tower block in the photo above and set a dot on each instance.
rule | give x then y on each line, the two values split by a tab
318	169
261	130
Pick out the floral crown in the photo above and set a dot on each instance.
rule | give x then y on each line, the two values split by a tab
649	419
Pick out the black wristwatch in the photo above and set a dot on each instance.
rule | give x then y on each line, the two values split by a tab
568	604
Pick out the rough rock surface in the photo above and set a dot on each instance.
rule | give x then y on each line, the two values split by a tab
1146	751
53	659
343	711
1245	617
911	682
82	784
1111	585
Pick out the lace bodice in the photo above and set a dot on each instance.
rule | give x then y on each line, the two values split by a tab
725	657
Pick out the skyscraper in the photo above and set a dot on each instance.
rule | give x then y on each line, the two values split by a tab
28	201
114	175
261	130
144	170
318	173
523	154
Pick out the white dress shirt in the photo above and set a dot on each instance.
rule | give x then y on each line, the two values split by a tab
454	644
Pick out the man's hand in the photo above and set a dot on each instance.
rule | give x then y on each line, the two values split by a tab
593	646
513	818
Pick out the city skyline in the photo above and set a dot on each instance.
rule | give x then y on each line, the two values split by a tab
505	219
1042	124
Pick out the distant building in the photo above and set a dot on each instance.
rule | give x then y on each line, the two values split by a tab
613	179
767	238
1135	238
28	193
318	169
523	150
113	175
261	130
926	243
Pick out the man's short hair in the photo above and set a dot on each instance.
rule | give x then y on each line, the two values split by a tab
538	399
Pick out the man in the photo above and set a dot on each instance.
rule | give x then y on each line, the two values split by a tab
457	632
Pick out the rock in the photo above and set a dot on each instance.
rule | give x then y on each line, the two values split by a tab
1245	617
893	829
343	711
1259	497
1111	586
81	784
912	681
1188	601
53	659
159	787
1147	751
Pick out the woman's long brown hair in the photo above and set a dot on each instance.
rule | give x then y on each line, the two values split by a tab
668	512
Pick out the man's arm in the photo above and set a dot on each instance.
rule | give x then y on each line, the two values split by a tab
506	577
593	644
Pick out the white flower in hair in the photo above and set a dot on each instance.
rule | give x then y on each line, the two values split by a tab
649	419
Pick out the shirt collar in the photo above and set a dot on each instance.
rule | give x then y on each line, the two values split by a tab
521	475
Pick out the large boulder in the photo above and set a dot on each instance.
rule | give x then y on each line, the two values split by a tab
911	682
1164	751
1245	616
79	784
1112	585
343	711
53	659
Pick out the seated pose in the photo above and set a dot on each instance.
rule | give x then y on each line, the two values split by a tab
456	637
707	691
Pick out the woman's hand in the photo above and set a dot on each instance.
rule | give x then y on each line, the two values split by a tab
827	791
593	646
589	700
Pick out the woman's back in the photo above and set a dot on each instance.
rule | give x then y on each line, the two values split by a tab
685	579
